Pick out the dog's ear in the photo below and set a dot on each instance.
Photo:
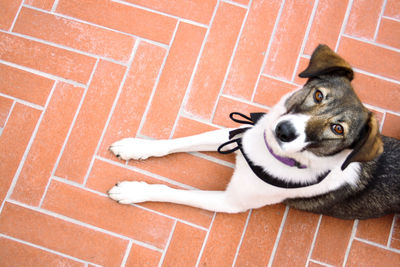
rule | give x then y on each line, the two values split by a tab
325	61
368	146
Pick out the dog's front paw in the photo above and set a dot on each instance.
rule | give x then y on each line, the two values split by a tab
129	192
135	148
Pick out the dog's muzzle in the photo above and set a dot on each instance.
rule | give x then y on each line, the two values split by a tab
285	131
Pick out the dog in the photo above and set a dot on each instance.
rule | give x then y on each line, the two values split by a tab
318	149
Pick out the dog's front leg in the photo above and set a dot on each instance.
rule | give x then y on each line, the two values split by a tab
136	192
136	148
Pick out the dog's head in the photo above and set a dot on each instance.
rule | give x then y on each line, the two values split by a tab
326	117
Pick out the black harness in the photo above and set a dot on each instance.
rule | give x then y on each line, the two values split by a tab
258	170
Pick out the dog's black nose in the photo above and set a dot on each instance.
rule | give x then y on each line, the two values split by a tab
285	131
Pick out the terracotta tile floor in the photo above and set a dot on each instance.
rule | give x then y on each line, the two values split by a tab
76	76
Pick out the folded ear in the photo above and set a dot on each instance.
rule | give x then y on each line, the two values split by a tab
325	61
369	146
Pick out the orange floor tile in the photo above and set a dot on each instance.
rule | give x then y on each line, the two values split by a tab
76	76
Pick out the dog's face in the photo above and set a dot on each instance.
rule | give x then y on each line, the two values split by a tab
326	117
334	116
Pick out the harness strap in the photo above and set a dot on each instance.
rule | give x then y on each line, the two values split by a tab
237	140
258	170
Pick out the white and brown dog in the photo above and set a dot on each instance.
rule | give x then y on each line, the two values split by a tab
319	149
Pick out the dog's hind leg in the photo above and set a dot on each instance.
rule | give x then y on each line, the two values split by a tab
135	192
136	148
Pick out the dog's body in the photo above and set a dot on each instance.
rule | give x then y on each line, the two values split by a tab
318	149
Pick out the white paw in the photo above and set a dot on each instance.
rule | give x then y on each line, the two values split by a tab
135	148
130	192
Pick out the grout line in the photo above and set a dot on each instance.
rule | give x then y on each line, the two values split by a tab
391	18
389	242
159	12
382	110
377	76
268	49
75	184
69	131
280	79
23	102
43	74
305	56
237	4
155	86
194	71
377	245
352	237
278	237
305	38
193	22
383	122
16	17
233	55
205	240
141	243
235	98
45	192
27	149
242	237
314	240
167	244
111	112
166	47
128	250
379	20
321	263
147	173
64	47
397	50
47	249
200	120
179	220
54	7
213	159
142	136
9	113
344	24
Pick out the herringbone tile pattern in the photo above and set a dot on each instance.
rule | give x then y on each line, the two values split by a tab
76	76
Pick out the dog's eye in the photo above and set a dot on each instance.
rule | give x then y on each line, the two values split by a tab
318	96
337	129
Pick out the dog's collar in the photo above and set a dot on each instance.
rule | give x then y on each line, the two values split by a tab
258	170
287	161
